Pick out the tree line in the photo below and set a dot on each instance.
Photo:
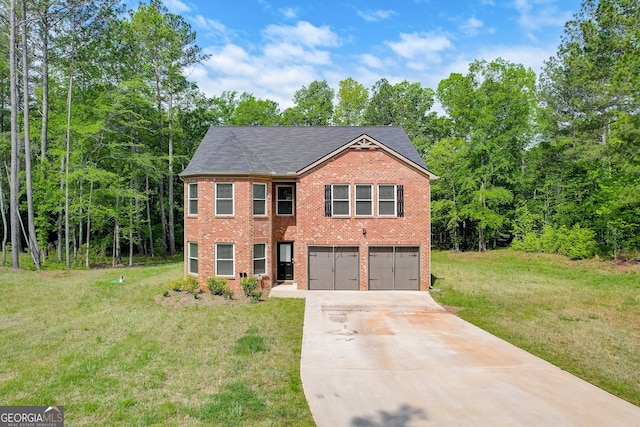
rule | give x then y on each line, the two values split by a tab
97	119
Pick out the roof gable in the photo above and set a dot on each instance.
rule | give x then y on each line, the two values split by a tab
367	143
289	150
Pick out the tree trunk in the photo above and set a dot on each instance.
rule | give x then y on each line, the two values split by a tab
117	255
149	227
34	250
44	128
66	171
172	234
13	180
86	258
130	233
5	229
163	217
60	213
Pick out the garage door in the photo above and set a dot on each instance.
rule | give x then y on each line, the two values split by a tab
334	268
394	268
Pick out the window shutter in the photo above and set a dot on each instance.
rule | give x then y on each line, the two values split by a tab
327	200
400	200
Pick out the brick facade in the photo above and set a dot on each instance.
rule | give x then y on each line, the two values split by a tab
309	225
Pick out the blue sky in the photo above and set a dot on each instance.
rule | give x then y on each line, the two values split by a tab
271	48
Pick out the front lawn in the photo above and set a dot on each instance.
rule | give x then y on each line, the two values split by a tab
115	354
582	316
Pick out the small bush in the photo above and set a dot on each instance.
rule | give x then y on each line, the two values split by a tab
188	284
249	285
530	242
219	286
578	243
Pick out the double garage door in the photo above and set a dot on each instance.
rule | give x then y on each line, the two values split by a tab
338	268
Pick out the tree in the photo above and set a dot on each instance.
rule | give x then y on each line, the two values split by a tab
491	111
166	43
314	106
352	100
590	91
403	104
255	112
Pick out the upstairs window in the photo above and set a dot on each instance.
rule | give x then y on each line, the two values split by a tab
284	200
193	199
386	200
224	198
364	200
340	200
259	199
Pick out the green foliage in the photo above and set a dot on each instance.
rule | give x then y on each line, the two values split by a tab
219	286
188	284
575	242
249	285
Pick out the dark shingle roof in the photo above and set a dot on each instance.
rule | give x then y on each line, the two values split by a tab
285	150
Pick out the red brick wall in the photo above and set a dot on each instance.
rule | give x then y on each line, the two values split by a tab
309	226
366	166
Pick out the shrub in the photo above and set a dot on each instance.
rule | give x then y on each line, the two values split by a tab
188	284
249	285
219	286
530	242
578	243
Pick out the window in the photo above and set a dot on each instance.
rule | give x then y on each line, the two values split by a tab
340	200
259	258
193	198
259	199
225	259
193	258
224	198
284	201
364	200
386	200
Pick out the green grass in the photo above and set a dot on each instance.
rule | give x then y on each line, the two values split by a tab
112	355
582	316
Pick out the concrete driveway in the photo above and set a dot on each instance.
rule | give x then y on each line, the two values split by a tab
399	359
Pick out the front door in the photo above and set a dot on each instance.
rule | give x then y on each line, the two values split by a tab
285	261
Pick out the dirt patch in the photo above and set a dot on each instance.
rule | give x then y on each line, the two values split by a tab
630	265
185	299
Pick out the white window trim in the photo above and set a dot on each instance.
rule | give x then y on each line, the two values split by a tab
189	258
356	200
333	199
233	273
253	259
233	203
395	201
190	198
253	198
293	202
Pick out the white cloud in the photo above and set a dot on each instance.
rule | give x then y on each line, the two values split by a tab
208	24
536	14
289	13
420	47
288	58
375	15
371	61
471	26
176	6
303	33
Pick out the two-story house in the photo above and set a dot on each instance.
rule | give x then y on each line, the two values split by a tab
344	208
